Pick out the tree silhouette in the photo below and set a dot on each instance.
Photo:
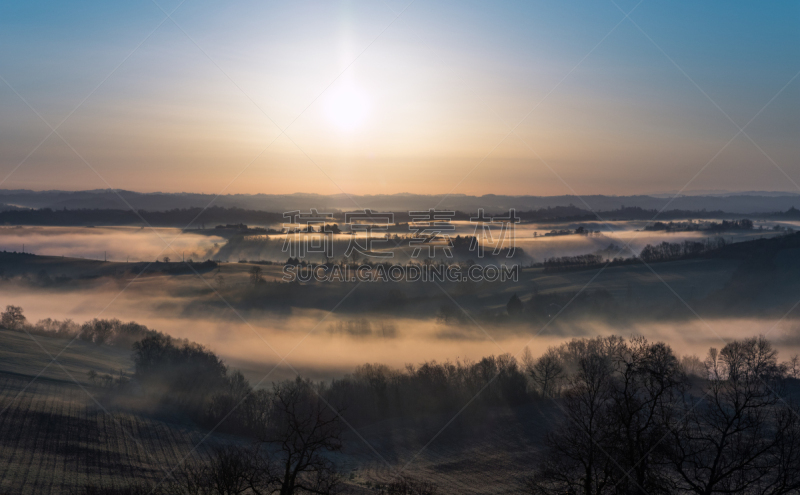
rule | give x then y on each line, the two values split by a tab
232	470
634	424
547	372
743	437
514	305
618	398
302	430
255	275
12	318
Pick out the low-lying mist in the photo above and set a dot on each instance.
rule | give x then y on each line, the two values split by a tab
146	244
113	243
320	344
532	242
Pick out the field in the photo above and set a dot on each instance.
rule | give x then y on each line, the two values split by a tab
59	435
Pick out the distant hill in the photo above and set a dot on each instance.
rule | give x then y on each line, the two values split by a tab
183	217
738	203
196	217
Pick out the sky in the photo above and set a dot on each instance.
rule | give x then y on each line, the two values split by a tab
386	96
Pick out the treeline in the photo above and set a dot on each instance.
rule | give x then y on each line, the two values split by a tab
575	214
295	425
192	379
669	251
294	428
375	391
666	251
724	226
744	224
582	260
175	267
42	278
672	227
97	331
716	247
187	377
634	419
179	217
198	217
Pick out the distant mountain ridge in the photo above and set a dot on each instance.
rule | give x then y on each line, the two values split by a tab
746	202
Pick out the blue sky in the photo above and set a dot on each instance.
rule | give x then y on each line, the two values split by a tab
385	96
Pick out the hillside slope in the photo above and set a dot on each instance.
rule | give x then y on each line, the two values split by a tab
59	436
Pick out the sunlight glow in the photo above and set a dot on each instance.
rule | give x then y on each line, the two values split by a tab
347	108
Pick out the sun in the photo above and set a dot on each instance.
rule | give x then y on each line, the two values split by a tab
348	108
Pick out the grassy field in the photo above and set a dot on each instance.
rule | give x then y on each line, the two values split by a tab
57	439
59	435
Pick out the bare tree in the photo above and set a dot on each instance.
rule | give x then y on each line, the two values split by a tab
303	430
647	386
232	470
633	424
739	435
618	398
575	461
793	367
291	456
546	372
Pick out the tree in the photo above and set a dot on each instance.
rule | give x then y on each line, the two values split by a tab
574	460
740	436
693	366
296	431
98	331
255	275
793	367
166	259
647	386
514	306
12	318
232	470
618	398
633	424
178	372
546	372
302	430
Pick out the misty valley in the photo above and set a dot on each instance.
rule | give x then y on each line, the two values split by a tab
207	364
